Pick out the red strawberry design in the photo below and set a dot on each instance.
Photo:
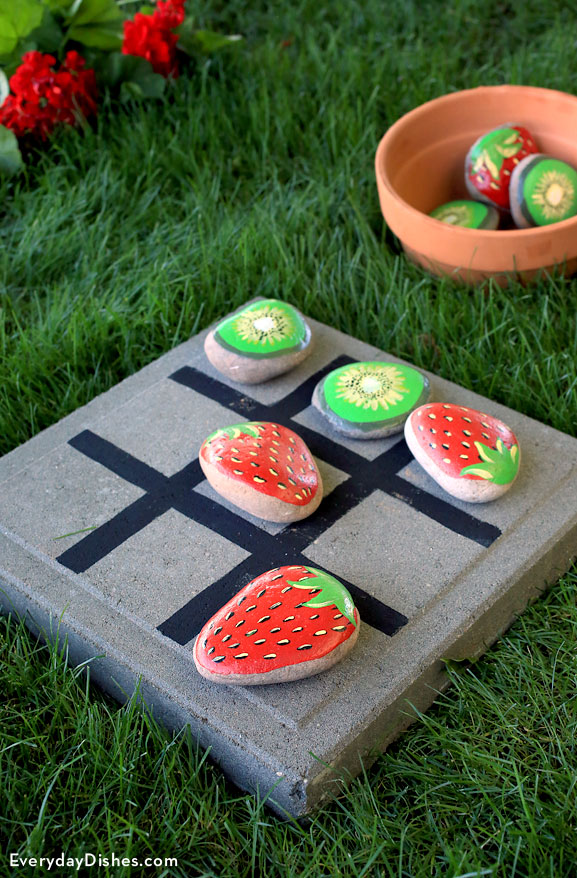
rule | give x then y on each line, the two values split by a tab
472	455
493	158
288	623
264	468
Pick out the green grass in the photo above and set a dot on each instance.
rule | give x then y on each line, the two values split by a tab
256	178
483	784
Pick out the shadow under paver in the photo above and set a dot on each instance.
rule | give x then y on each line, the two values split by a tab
110	534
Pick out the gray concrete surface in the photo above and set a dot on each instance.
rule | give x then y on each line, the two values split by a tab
439	578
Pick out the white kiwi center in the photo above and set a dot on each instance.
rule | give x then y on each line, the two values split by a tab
264	324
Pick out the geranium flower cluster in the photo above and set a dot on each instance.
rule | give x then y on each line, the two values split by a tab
42	97
152	36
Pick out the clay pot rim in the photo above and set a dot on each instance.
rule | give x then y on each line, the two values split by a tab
461	232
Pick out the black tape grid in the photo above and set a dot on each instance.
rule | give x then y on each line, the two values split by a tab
163	493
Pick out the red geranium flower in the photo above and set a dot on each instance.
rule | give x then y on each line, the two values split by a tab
42	98
152	37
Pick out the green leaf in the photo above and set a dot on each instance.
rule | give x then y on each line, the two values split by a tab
486	453
208	41
508	151
95	12
49	36
501	464
10	155
236	430
136	74
96	23
17	19
204	41
130	91
153	87
111	69
332	593
476	471
498	147
96	37
58	5
11	62
494	166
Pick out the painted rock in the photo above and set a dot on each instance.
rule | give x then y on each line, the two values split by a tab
469	214
263	340
288	623
473	456
491	161
543	191
264	468
370	400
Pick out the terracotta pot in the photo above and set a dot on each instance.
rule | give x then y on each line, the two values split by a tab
420	165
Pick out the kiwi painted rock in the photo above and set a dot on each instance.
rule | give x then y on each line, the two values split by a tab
472	455
543	191
468	214
263	340
264	468
288	623
493	158
370	400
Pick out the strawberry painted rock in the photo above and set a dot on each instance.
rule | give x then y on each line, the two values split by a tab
493	158
473	456
288	623
370	400
543	191
264	468
263	340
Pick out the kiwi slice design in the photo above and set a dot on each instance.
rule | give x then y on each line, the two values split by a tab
468	214
264	329
371	394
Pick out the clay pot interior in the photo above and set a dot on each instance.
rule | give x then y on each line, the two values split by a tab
412	176
420	165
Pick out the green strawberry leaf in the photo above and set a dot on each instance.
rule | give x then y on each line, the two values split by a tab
501	464
332	593
477	471
486	453
235	431
499	145
493	166
508	151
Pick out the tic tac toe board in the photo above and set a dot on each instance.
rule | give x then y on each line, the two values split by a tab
152	552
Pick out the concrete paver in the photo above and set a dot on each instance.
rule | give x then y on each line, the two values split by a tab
434	578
